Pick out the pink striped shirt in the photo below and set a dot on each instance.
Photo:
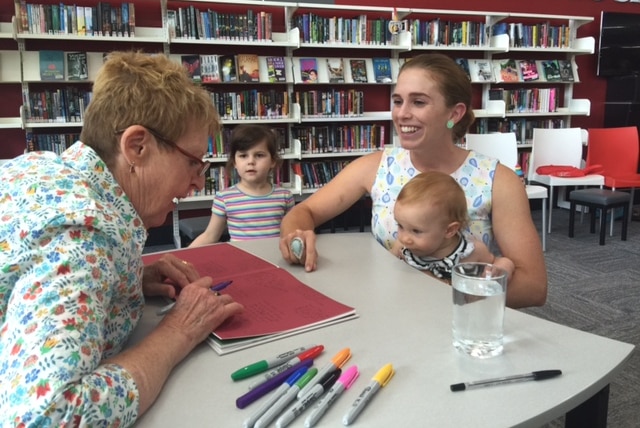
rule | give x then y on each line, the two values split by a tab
252	217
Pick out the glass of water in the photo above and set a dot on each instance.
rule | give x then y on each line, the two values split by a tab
479	298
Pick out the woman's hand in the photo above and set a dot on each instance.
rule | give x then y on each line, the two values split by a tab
168	267
198	311
304	240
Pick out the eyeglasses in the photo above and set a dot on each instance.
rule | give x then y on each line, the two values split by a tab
202	165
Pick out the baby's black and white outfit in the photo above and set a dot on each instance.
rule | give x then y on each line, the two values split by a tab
441	268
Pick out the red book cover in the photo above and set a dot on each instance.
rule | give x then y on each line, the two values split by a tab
276	303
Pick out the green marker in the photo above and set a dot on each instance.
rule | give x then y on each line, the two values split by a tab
264	365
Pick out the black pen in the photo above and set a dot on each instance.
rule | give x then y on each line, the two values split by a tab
538	375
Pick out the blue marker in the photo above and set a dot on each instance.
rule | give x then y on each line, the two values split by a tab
279	392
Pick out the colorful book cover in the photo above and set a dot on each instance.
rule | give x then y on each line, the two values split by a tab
507	70
309	70
566	70
228	68
528	70
248	68
463	63
480	70
209	68
77	66
358	70
192	64
276	69
335	70
382	70
52	65
551	70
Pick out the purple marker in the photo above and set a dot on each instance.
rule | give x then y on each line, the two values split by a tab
264	388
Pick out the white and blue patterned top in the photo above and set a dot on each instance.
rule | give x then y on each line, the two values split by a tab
475	176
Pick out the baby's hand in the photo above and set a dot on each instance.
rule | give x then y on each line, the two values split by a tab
506	264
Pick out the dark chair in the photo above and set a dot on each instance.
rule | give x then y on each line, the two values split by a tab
602	199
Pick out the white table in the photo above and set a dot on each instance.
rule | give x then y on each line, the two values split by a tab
405	319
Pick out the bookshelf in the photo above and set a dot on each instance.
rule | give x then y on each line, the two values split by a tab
329	122
9	73
546	40
342	116
51	113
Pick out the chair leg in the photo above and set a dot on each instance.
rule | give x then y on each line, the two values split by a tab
603	223
633	191
592	219
550	207
613	212
572	217
625	222
544	225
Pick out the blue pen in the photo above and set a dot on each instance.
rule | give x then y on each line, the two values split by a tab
215	288
268	386
284	401
221	285
279	392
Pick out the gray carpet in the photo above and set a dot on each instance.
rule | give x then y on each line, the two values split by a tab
597	289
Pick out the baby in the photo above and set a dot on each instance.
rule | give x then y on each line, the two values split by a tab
431	213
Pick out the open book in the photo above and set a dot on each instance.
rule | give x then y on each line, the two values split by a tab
276	303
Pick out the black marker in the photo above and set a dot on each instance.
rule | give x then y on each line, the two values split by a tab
539	375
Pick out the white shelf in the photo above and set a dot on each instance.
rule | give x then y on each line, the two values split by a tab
494	108
10	123
6	30
47	125
142	35
10	67
370	116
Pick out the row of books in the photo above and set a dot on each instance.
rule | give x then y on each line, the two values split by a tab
251	68
58	65
62	105
340	138
330	103
56	143
317	174
211	68
192	23
438	32
522	127
510	70
311	70
359	30
540	35
103	19
527	100
252	104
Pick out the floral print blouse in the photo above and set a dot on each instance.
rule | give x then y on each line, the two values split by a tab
70	291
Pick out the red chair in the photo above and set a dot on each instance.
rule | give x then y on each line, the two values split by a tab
617	150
